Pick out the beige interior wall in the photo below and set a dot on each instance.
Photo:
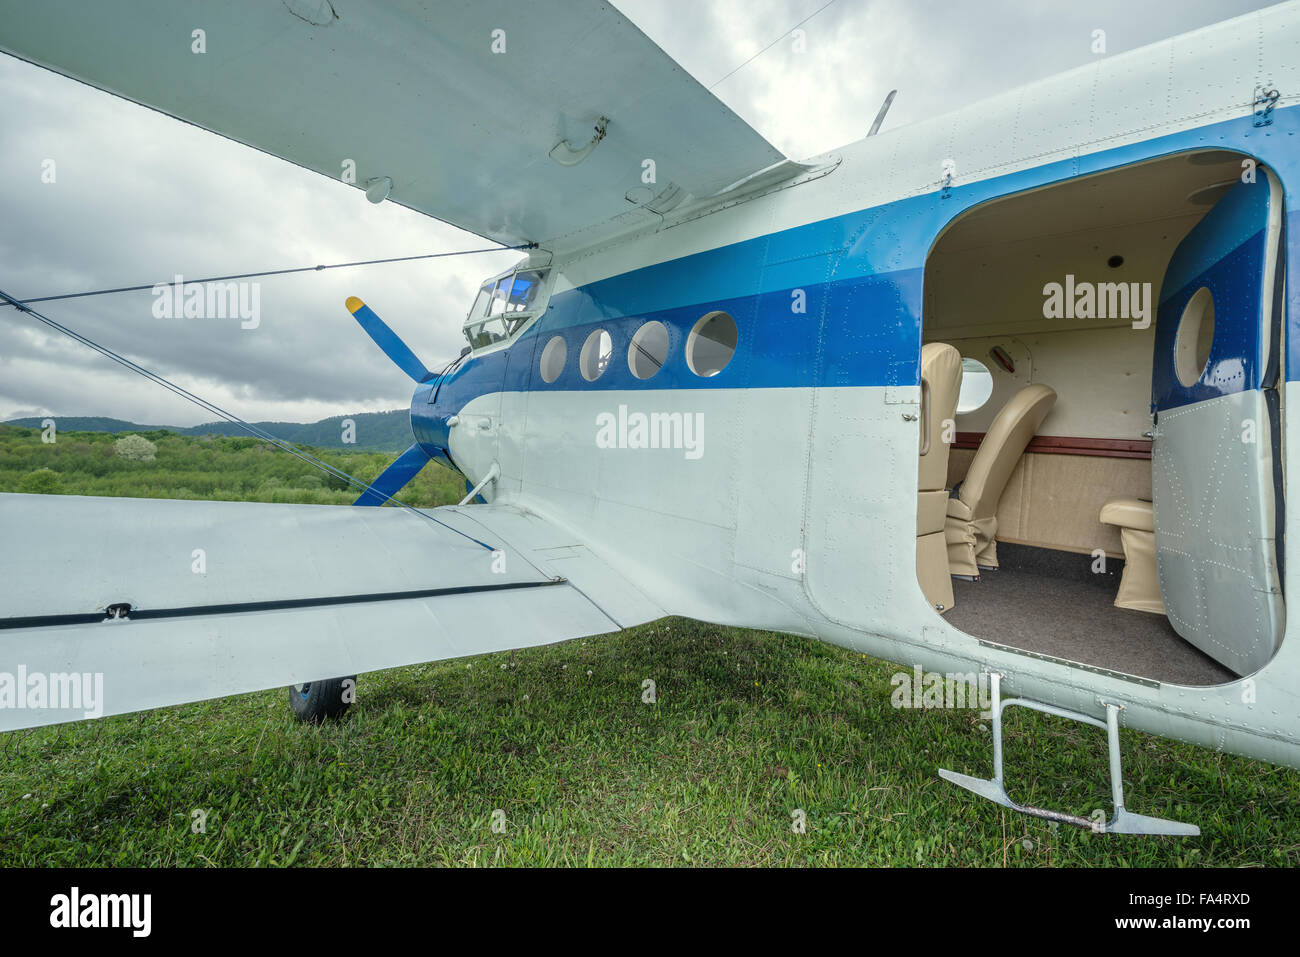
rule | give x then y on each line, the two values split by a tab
1053	501
1102	379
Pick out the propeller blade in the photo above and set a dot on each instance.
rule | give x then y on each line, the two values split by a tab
394	478
388	340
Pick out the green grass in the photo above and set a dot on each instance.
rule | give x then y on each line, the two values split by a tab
747	728
213	468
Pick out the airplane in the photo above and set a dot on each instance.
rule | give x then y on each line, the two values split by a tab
1000	394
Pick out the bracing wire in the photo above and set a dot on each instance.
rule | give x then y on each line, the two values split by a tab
204	404
269	272
772	44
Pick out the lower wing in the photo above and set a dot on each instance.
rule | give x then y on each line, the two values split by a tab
116	605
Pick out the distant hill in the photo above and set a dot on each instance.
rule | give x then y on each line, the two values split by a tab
375	431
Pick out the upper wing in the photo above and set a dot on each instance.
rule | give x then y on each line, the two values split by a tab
228	597
460	117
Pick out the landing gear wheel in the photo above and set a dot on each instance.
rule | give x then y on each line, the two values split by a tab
318	701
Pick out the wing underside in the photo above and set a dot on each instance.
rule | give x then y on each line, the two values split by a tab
460	102
230	597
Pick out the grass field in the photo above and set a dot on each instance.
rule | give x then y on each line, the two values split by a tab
747	728
218	468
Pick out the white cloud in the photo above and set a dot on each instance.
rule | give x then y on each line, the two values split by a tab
940	55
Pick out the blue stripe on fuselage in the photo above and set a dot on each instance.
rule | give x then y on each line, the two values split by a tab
861	273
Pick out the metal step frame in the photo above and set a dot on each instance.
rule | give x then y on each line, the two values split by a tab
1124	820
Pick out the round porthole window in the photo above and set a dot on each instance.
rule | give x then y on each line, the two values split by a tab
976	385
649	349
711	344
1194	337
593	360
553	357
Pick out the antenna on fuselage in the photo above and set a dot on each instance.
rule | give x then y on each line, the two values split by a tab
880	117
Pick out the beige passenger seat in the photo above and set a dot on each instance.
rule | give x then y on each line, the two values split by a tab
972	516
1139	585
940	385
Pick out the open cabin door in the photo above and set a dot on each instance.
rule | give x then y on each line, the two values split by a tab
1216	459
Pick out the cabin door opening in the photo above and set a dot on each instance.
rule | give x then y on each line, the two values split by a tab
1101	418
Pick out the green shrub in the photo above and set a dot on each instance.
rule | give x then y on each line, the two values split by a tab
40	482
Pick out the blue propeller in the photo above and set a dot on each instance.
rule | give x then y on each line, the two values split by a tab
407	465
388	340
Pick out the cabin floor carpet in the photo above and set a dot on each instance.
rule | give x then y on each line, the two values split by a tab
1078	622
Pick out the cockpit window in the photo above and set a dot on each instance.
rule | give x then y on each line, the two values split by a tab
487	332
480	303
499	296
503	305
523	290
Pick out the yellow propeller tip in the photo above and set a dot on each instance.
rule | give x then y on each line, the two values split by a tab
354	304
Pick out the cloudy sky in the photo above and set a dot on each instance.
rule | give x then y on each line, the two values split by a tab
139	197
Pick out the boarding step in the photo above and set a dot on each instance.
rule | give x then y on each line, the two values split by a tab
1124	820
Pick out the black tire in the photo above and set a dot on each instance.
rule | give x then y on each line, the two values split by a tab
318	701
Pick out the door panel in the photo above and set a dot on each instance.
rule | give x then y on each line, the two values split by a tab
1215	397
